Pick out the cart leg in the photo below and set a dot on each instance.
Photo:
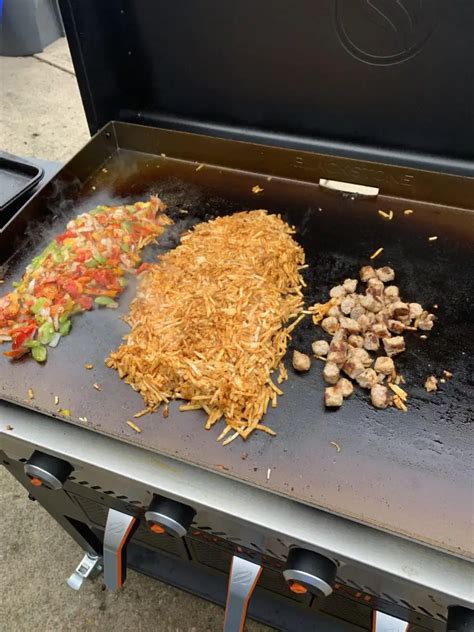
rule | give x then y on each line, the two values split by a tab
243	578
89	566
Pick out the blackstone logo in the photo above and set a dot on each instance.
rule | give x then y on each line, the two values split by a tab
385	32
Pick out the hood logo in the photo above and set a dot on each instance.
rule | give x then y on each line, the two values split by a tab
384	32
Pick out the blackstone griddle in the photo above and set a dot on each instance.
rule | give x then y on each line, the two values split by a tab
394	490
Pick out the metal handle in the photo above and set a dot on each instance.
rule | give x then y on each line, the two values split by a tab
243	578
382	622
118	530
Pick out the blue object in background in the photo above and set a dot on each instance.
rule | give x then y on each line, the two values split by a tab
28	26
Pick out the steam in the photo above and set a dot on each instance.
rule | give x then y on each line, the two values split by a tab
66	200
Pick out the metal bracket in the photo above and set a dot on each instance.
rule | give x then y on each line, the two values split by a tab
118	530
349	189
243	578
90	566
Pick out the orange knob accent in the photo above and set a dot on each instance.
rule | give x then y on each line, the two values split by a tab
157	528
37	482
298	588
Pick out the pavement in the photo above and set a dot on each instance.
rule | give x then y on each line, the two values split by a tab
41	115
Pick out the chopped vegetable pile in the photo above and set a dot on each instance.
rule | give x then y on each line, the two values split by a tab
84	265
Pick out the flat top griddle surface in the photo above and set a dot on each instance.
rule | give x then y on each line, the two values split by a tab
406	473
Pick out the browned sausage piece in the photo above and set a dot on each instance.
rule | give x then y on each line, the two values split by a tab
394	346
337	292
362	356
320	347
367	378
371	342
355	341
347	304
391	293
376	288
337	357
353	368
301	362
380	330
357	311
350	325
345	386
400	311
333	397
350	285
384	365
366	273
416	310
385	274
395	326
330	324
331	373
380	396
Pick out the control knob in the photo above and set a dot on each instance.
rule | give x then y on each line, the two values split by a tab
307	571
169	516
460	619
47	471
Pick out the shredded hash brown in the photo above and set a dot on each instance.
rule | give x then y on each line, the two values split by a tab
208	321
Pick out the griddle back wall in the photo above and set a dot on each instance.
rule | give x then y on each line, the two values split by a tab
333	70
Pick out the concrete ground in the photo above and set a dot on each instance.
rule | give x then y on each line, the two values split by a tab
41	115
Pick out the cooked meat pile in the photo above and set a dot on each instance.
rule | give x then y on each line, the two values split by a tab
208	322
361	325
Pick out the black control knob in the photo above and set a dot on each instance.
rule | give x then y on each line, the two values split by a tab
47	471
460	619
169	516
306	571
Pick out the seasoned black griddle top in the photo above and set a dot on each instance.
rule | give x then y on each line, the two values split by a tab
406	473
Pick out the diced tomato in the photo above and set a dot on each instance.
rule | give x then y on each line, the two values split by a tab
48	290
73	288
67	235
83	255
105	278
21	334
85	302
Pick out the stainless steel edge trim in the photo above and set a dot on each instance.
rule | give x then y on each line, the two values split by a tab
320	531
291	574
43	475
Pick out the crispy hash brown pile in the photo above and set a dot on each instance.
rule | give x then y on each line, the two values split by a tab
208	322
